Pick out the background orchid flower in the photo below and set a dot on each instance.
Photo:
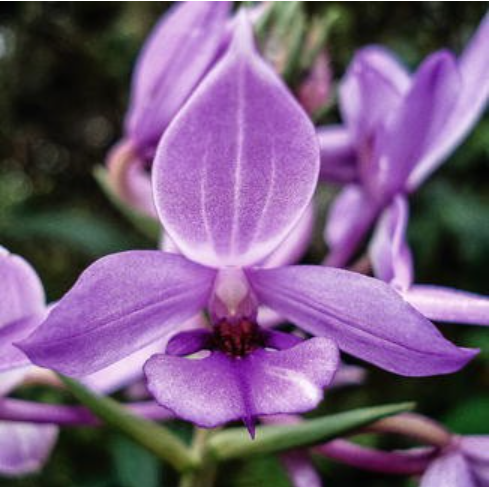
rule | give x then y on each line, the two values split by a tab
233	174
392	262
463	463
397	130
23	447
181	49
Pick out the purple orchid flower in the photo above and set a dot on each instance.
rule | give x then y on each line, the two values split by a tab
463	463
233	174
23	447
392	262
177	55
398	130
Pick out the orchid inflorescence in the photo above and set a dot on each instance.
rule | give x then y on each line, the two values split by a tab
220	152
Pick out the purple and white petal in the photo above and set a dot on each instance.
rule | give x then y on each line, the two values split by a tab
449	470
180	50
389	252
350	218
423	113
473	67
119	305
476	450
368	98
217	389
338	155
20	288
238	166
24	448
130	369
446	304
364	316
11	356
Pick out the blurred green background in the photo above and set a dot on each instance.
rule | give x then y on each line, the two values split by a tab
64	80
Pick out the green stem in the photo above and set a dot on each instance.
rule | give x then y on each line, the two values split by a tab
206	474
152	436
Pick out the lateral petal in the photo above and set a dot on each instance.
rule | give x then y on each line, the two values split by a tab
364	316
119	305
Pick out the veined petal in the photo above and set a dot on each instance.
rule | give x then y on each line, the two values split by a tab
476	451
445	304
449	470
238	166
389	251
338	156
20	288
218	389
423	113
349	220
24	448
119	305
364	316
473	67
176	56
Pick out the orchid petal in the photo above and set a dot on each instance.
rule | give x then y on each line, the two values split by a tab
474	69
10	356
238	166
176	56
445	304
476	450
386	62
389	251
338	156
449	470
422	114
219	388
365	317
21	290
130	369
350	218
295	245
368	97
24	448
119	305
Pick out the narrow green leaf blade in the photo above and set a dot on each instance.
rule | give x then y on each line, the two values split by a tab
152	436
235	442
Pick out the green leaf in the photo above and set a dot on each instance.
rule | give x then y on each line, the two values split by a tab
152	436
134	466
236	443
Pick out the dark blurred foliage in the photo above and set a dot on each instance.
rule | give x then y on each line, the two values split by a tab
64	80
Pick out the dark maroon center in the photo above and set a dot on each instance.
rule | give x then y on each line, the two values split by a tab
237	339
